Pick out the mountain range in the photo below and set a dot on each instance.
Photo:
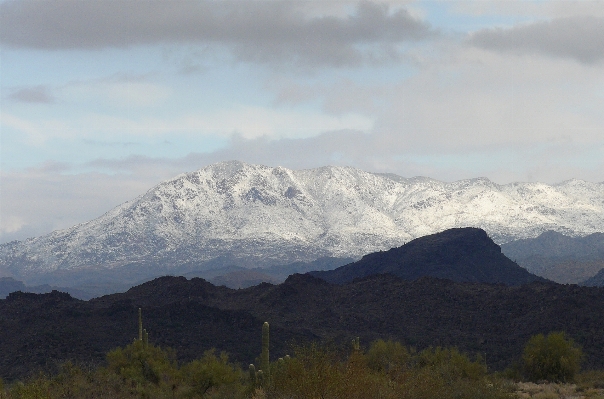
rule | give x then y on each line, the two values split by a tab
563	259
232	213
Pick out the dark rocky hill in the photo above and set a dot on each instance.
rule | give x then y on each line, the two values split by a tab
9	284
37	331
462	255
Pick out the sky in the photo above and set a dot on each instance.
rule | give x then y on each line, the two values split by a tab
102	99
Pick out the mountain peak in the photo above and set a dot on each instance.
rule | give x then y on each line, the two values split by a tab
461	254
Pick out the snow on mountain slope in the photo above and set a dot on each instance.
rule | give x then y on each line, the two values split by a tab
276	215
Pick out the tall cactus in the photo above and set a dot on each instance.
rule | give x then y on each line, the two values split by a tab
264	358
253	377
356	344
261	378
140	324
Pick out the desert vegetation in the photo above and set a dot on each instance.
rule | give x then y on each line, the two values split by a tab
386	369
548	368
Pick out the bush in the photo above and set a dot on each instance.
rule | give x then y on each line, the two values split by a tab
138	371
451	364
143	366
209	373
388	356
554	358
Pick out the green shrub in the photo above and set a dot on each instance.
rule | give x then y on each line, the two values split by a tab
554	358
143	365
389	357
451	364
311	373
211	372
36	389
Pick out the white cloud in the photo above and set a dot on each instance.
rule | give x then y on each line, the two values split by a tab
246	121
117	92
39	200
35	132
137	94
11	224
252	122
19	124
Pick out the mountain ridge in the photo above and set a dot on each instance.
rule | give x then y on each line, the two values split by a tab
257	215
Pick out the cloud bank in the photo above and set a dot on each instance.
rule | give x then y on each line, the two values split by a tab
263	31
579	37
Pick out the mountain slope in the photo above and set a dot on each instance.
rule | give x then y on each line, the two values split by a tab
566	260
557	245
462	255
254	215
595	281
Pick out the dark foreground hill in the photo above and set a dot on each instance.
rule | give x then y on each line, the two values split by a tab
39	330
462	255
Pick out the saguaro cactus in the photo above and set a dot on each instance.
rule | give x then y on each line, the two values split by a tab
356	344
261	378
253	378
264	357
140	324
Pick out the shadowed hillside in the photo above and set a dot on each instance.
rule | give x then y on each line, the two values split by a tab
463	255
191	316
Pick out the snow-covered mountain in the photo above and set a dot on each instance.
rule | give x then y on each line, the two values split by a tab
261	215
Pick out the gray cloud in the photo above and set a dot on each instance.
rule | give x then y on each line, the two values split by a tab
37	94
379	152
579	37
261	31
